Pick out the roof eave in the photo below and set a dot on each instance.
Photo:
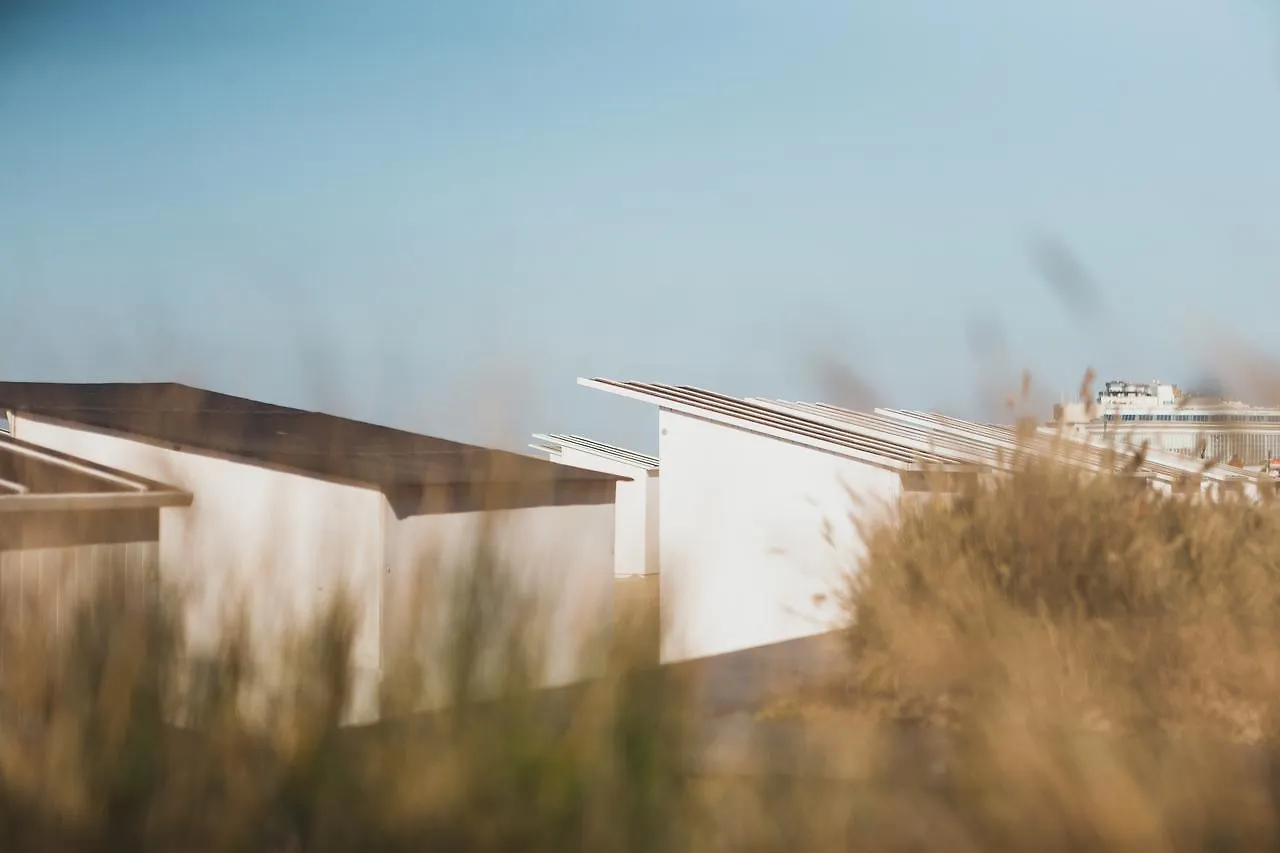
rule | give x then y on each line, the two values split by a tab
93	501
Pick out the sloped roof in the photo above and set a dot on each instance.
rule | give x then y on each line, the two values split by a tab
305	442
905	440
1090	452
777	422
555	443
958	449
35	479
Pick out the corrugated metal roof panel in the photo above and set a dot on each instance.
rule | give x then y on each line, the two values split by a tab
1062	448
958	449
1074	450
904	439
554	442
766	420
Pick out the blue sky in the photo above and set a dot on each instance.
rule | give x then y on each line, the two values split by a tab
399	209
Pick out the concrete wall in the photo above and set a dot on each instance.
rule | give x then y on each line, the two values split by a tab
756	537
283	541
560	555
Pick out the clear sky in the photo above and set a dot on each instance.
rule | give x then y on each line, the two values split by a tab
382	207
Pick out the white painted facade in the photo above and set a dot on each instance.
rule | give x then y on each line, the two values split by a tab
282	543
1159	416
757	535
763	504
560	556
635	547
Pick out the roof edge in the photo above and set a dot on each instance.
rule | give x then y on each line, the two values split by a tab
557	443
865	457
581	474
93	501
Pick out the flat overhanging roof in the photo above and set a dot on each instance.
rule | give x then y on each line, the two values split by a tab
313	444
36	479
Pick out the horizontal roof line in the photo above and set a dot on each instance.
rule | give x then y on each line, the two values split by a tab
554	442
119	482
93	501
20	448
15	488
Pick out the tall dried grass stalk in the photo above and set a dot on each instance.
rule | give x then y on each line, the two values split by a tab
1048	659
111	738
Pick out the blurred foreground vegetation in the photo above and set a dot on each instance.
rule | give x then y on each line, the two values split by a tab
1048	661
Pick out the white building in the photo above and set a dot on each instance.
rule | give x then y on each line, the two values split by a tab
745	497
762	502
636	588
1161	416
68	529
636	526
291	507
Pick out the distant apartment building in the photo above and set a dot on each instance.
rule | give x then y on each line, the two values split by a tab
1162	416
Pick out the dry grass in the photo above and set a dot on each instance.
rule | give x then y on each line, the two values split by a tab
1094	596
1047	661
1096	663
112	739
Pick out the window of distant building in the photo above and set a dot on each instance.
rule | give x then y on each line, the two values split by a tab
6	423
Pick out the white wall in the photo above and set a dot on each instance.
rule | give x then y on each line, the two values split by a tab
631	538
744	553
287	541
1173	440
284	541
636	537
653	525
562	554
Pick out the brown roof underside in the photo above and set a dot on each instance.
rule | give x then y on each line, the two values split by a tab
311	443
